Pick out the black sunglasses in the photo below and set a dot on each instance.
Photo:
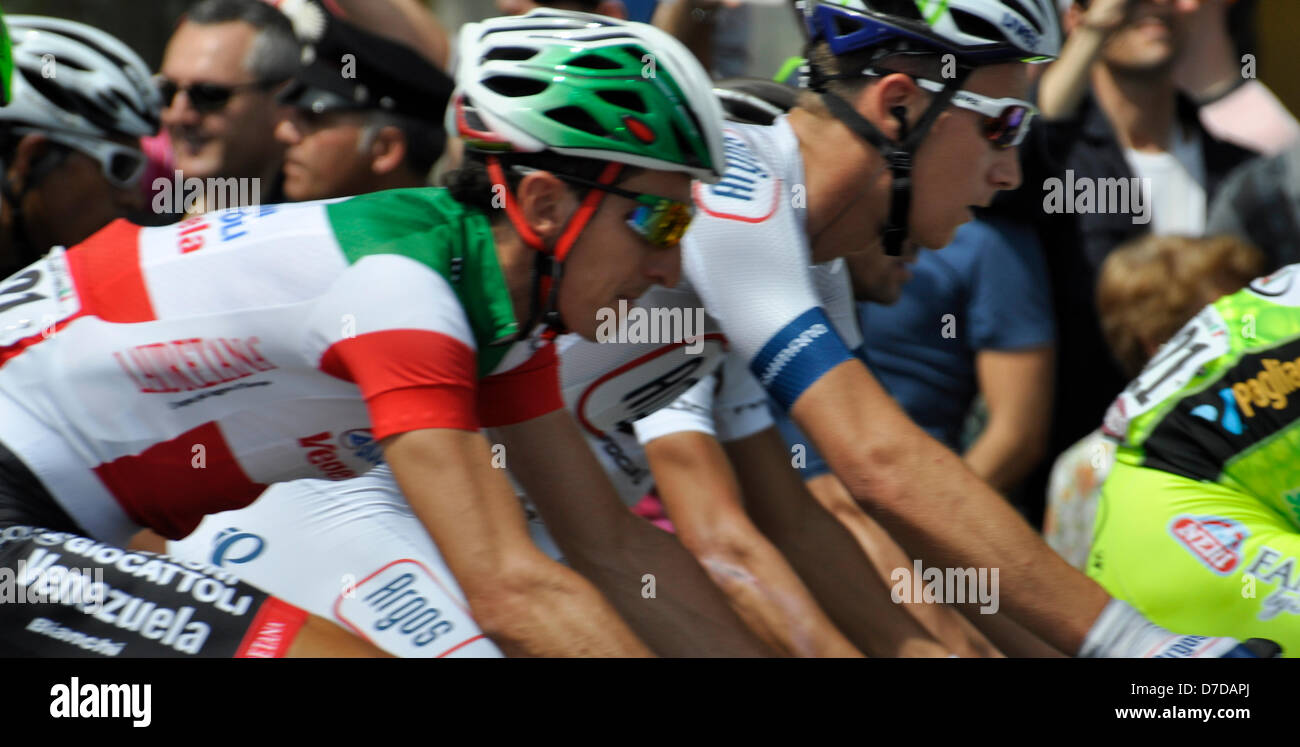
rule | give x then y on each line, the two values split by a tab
206	97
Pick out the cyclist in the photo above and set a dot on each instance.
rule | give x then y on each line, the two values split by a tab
1199	520
912	119
200	362
70	136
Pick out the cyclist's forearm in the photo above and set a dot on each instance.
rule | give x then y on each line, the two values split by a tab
824	554
772	601
664	593
930	503
945	624
551	613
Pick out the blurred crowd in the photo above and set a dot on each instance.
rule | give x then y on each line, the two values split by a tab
1161	174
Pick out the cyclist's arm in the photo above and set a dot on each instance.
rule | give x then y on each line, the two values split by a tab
700	492
931	503
527	603
622	555
823	552
941	621
1017	387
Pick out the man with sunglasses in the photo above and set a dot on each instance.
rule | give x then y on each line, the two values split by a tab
218	80
365	114
69	142
199	363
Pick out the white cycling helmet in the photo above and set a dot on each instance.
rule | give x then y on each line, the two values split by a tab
589	86
72	78
976	31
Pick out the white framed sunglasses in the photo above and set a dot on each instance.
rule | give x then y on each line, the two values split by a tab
122	165
1006	120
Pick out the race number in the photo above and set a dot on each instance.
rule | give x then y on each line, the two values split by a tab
37	298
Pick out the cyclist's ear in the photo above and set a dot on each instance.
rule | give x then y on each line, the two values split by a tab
546	203
30	151
882	101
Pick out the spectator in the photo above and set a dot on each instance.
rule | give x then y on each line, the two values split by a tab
1260	203
1148	289
70	136
1235	106
975	318
1111	112
716	31
364	115
220	72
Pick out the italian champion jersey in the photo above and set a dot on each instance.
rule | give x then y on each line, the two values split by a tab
150	376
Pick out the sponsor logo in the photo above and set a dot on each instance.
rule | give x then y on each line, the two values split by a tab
791	349
192	234
644	385
324	455
191	364
234	546
361	442
1271	567
1213	540
75	700
1027	36
1267	388
404	608
747	192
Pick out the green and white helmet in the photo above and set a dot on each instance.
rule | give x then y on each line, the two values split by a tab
588	86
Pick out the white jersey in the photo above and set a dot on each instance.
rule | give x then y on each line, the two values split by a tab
747	256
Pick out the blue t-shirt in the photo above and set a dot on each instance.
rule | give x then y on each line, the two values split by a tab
987	290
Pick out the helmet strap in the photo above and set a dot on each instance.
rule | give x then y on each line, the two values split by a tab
548	269
898	154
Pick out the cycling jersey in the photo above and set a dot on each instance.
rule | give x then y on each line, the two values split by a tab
151	376
1199	521
338	549
747	256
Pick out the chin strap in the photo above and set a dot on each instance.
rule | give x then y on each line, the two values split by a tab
548	269
898	154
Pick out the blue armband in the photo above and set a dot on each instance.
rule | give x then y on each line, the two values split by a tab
797	356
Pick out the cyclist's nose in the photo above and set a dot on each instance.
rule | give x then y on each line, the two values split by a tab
1005	174
664	266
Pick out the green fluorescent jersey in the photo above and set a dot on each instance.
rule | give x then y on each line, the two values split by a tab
1220	402
1199	521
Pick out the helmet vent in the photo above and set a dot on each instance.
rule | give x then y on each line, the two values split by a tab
510	53
578	119
974	25
68	101
512	86
625	99
845	26
594	62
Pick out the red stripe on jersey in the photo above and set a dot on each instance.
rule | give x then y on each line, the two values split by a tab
409	378
274	627
105	270
170	486
522	393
